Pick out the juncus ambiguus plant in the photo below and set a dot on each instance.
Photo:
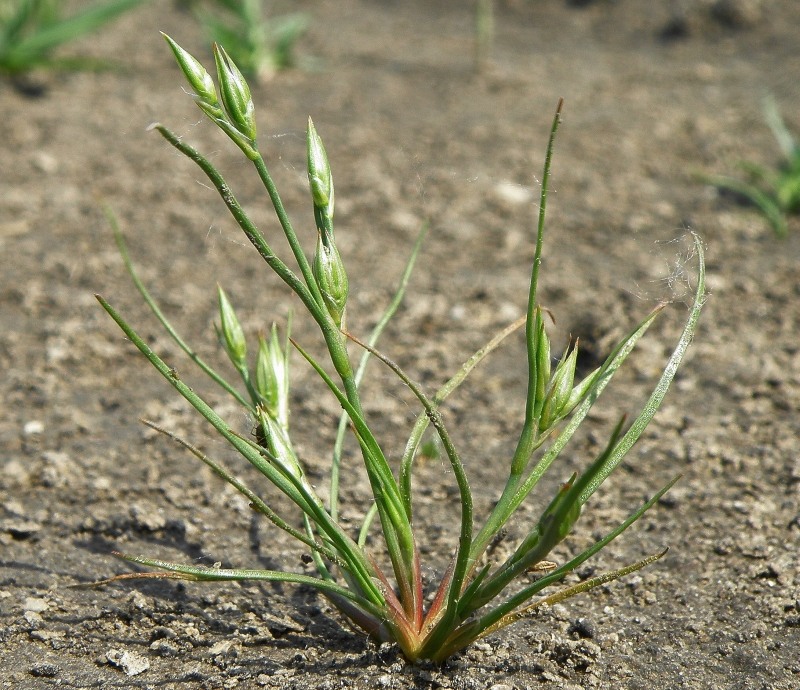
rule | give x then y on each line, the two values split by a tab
775	193
475	595
260	45
30	30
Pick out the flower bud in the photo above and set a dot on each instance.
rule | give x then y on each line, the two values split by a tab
200	80
559	390
319	172
554	524
560	516
580	391
235	94
276	441
272	378
542	350
331	279
232	333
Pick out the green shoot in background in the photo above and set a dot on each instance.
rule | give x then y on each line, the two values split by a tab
376	582
30	30
259	45
775	193
484	33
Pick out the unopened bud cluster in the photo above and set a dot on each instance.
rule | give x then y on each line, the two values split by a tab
556	392
269	388
272	377
327	267
231	332
232	110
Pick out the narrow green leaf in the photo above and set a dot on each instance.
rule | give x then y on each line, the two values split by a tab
159	314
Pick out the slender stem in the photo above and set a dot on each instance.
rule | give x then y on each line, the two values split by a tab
374	336
462	559
527	440
468	634
288	230
253	234
396	527
423	420
306	500
657	397
309	295
143	291
255	500
205	574
512	604
516	491
333	339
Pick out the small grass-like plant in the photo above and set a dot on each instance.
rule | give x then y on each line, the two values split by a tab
377	584
775	193
30	30
259	45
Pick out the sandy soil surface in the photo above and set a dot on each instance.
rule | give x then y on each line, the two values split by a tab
654	92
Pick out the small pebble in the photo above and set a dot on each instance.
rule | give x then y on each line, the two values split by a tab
35	604
130	663
44	670
33	427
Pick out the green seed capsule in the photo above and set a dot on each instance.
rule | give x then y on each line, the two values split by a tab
559	390
560	517
331	278
235	94
319	172
232	334
542	350
272	378
197	76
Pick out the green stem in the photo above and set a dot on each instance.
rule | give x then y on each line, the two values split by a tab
256	502
657	396
309	294
205	574
288	231
241	218
462	562
528	437
143	291
397	530
517	489
374	336
477	626
423	420
305	499
469	634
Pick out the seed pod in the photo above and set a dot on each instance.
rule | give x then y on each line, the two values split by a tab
559	390
232	334
275	439
554	524
560	516
320	179
197	76
542	360
579	392
235	94
272	378
331	278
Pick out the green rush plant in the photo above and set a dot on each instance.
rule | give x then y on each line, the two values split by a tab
379	587
259	46
775	193
30	30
